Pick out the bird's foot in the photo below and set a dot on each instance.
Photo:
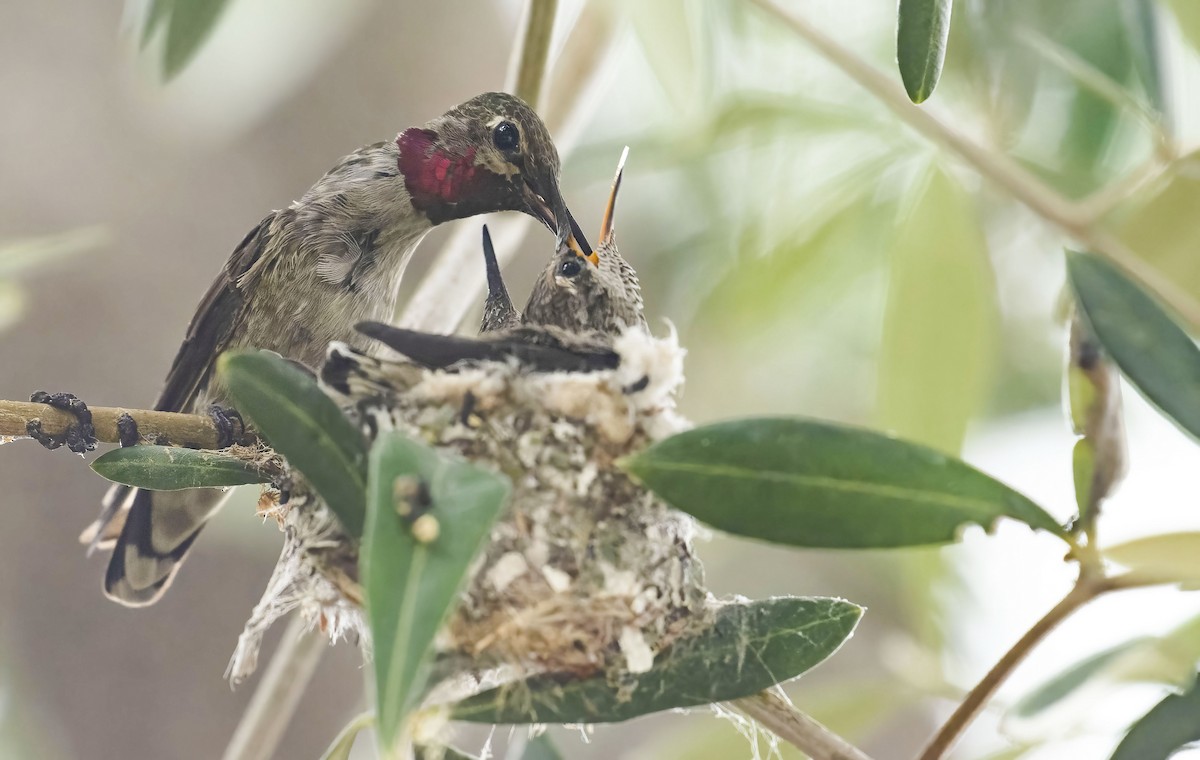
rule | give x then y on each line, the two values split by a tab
127	430
229	423
79	437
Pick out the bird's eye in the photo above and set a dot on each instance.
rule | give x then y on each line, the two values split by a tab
506	137
570	267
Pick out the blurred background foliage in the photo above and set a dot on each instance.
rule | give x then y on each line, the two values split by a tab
816	254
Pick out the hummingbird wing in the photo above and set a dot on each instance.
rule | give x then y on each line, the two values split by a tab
441	351
126	513
220	312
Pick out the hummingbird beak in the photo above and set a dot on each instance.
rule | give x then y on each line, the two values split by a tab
559	219
606	224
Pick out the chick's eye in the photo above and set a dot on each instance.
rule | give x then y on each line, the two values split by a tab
570	267
506	136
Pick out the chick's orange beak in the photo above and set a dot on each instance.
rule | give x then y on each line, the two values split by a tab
606	224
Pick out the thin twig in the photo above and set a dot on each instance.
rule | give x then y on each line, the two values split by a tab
797	728
456	277
1085	590
195	431
1100	203
993	165
278	694
532	49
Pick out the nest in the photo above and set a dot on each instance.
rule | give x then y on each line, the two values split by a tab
585	572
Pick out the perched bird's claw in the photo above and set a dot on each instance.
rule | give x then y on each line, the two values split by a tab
127	430
227	420
79	437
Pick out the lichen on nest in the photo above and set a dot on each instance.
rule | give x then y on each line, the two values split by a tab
586	571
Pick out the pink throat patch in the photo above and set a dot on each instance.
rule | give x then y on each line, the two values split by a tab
433	175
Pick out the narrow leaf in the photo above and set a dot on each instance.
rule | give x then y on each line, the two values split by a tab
191	23
170	468
410	585
748	648
1144	37
1187	16
671	56
807	483
541	748
304	425
1168	659
1171	724
1067	682
923	26
1158	223
1151	350
344	742
157	14
1171	557
940	326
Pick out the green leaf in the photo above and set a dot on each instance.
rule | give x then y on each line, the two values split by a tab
411	586
344	742
671	55
1065	683
922	30
1168	726
1160	225
1168	659
1187	15
940	326
156	16
1083	472
1140	19
1147	346
1083	149
304	425
170	468
541	748
1171	557
807	483
749	647
188	22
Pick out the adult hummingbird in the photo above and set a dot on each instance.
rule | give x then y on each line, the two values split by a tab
306	274
579	303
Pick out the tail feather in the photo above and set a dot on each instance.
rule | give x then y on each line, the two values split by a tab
157	533
103	533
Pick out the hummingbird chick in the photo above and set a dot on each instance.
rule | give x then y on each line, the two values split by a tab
306	274
598	291
576	291
498	310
